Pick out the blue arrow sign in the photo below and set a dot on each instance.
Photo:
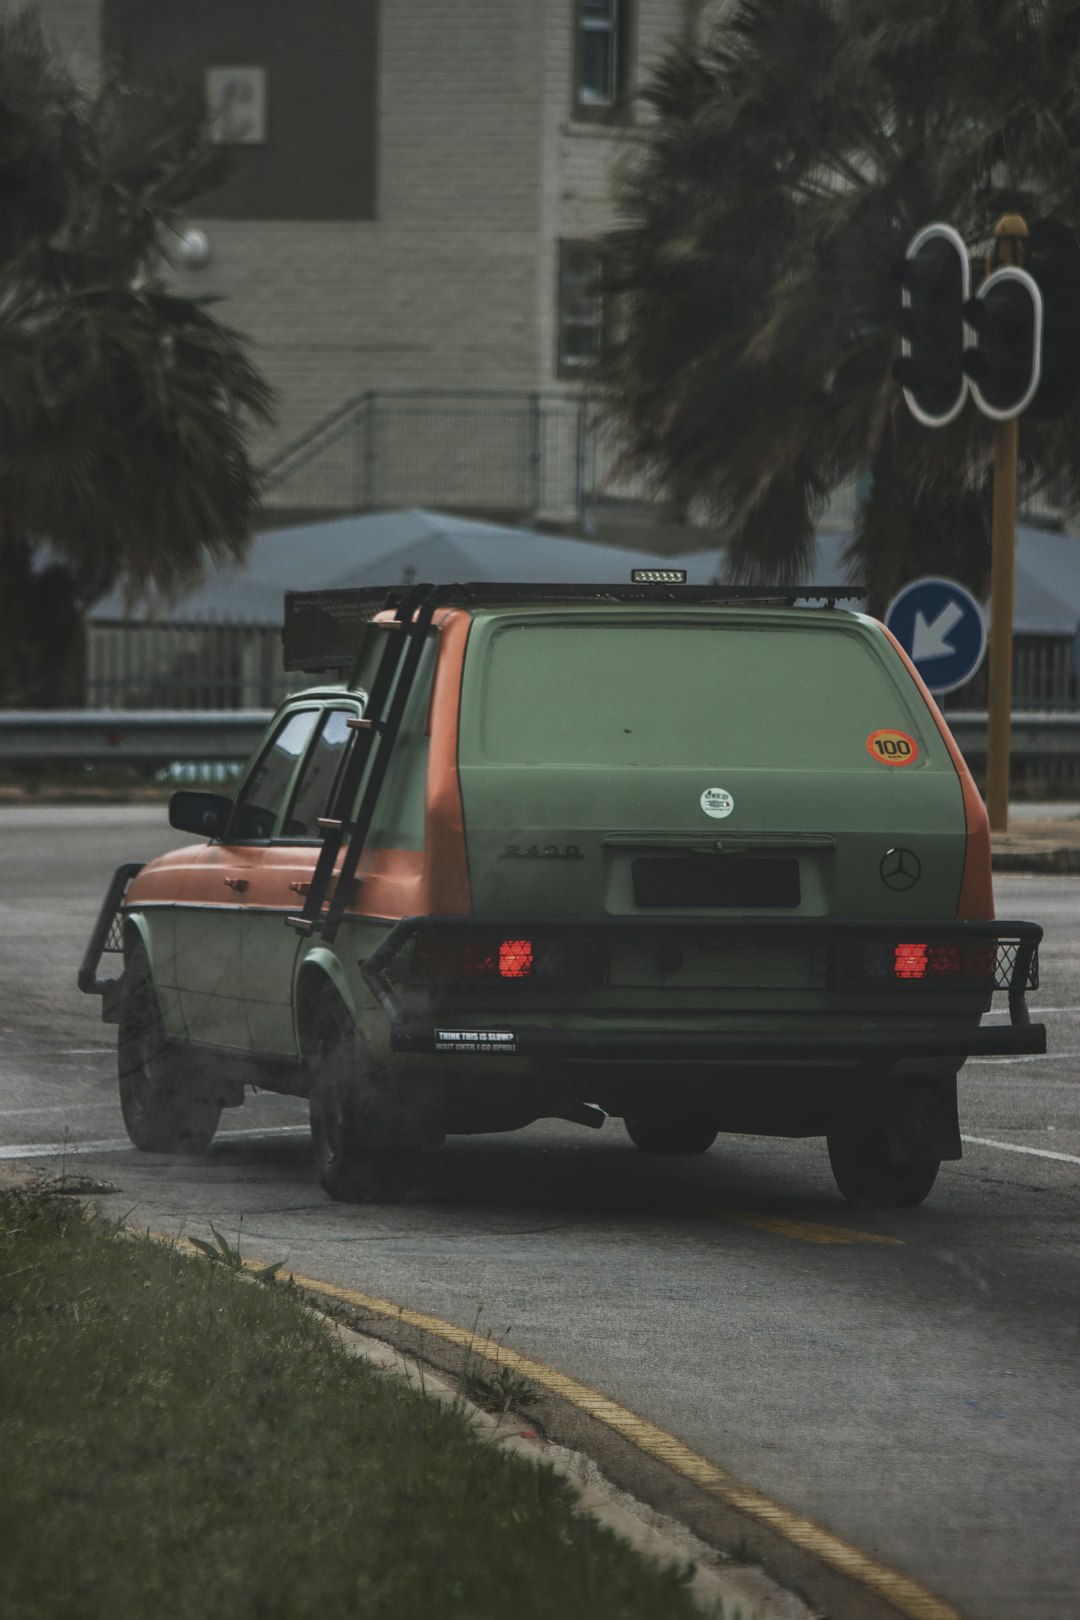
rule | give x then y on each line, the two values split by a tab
941	627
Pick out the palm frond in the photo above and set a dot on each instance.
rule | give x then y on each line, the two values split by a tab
791	158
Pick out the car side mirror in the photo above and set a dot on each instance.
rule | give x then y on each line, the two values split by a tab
202	813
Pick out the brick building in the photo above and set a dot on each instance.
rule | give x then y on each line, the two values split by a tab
408	236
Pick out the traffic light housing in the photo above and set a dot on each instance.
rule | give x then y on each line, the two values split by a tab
935	279
1052	258
1004	362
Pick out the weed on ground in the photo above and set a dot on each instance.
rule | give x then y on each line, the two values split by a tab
180	1444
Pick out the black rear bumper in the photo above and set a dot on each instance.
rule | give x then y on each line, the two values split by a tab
856	1047
1005	955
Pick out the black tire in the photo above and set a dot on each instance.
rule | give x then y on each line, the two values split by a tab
345	1117
682	1134
164	1108
866	1166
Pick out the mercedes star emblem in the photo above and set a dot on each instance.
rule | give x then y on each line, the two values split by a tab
900	868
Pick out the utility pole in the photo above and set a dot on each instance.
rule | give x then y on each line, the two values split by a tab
1002	615
1010	233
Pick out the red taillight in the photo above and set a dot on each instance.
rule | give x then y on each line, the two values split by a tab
536	964
435	958
974	960
909	961
453	959
515	958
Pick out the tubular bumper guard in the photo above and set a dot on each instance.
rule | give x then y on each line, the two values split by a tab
847	955
107	938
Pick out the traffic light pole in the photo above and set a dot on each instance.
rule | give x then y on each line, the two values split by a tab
1002	615
1010	233
1014	347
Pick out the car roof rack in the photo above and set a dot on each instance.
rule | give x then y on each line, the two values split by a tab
323	629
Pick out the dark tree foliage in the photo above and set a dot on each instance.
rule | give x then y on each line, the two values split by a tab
787	162
125	409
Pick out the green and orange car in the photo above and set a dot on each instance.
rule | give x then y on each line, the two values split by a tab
704	859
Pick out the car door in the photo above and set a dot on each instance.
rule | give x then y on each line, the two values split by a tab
279	885
210	922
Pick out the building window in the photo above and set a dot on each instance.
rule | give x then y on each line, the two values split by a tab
602	50
581	307
236	105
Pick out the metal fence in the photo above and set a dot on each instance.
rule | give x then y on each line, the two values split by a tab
228	665
235	665
1043	678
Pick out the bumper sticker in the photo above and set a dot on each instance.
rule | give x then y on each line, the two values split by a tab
892	747
716	802
475	1040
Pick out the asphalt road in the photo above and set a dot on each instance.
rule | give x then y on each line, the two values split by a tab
909	1380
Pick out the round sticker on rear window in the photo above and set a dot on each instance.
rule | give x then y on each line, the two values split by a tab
715	802
892	747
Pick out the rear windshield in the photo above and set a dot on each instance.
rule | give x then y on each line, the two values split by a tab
678	695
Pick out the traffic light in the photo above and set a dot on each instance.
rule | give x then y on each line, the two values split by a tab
935	279
1004	363
1053	260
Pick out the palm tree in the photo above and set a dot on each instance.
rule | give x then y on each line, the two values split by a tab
126	409
789	159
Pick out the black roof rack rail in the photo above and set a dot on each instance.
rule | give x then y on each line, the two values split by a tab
322	629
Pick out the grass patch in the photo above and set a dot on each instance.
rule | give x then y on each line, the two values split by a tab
176	1443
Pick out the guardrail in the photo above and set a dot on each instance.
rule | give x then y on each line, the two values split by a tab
1035	735
142	735
128	736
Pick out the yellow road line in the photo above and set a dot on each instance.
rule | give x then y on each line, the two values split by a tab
806	1231
906	1596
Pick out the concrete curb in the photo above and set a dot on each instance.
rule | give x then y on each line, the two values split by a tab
744	1592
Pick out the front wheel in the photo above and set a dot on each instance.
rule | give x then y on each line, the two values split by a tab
350	1166
887	1161
164	1109
685	1134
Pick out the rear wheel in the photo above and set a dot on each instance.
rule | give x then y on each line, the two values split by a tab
350	1166
164	1108
888	1161
683	1134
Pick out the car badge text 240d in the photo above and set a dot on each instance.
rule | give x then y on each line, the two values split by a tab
900	869
541	852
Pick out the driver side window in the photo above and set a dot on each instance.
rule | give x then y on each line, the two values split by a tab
256	810
319	773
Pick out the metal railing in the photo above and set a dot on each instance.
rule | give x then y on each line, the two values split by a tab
516	452
128	736
519	453
133	736
234	665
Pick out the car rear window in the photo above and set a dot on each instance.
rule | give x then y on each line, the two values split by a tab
769	696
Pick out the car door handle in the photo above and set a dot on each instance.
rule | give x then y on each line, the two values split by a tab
239	884
299	888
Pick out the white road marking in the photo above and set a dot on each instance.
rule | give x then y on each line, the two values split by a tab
53	1108
1040	1084
59	1150
1003	1012
1027	1057
1014	1147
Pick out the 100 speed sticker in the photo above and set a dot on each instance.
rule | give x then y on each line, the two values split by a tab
890	747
